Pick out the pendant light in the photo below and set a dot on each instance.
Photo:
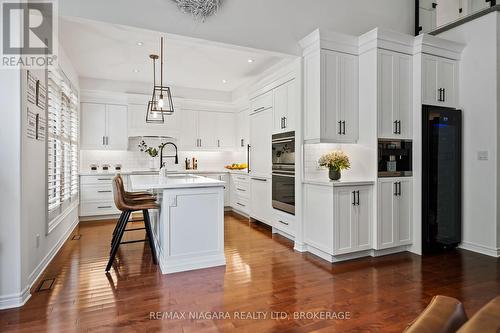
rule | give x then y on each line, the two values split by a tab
161	101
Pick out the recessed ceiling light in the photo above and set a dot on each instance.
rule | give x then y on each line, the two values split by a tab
250	61
224	81
135	70
139	43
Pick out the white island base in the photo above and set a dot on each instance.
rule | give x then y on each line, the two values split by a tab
189	228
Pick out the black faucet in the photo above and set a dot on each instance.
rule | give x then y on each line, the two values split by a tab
176	156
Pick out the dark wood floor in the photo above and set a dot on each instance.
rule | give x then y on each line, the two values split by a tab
263	274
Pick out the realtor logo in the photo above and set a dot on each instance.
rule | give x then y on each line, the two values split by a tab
28	33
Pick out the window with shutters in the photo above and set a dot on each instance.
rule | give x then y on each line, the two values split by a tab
62	150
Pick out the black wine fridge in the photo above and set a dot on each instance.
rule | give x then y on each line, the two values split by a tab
441	178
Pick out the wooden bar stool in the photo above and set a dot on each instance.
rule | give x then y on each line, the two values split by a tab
127	207
131	196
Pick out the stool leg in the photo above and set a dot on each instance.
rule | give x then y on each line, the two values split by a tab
149	232
117	226
119	236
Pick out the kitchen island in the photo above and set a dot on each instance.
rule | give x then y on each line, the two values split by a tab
188	230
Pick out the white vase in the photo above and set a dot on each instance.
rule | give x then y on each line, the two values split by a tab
152	163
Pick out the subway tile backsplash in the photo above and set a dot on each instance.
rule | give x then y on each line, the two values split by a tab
133	159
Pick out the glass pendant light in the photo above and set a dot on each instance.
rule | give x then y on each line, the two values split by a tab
161	101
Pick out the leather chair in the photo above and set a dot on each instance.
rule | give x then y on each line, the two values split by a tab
130	196
443	315
127	206
486	320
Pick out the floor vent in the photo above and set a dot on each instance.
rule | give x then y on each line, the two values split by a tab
76	237
46	285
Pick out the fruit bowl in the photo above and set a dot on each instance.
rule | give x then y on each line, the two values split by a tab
236	166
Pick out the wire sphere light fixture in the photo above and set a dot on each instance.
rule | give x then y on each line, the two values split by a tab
161	100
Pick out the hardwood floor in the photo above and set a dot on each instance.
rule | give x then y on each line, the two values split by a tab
263	274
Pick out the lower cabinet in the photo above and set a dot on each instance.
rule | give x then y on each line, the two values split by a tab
284	222
338	219
260	200
96	195
240	193
225	178
394	227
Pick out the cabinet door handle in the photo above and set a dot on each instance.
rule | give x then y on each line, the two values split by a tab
103	141
103	178
399	188
242	143
218	143
343	127
260	179
259	109
396	189
284	122
242	205
282	222
357	202
104	207
444	95
103	191
399	127
354	198
395	127
340	127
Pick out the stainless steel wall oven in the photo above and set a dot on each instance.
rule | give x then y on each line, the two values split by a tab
283	172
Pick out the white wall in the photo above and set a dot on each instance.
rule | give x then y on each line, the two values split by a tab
274	25
10	187
35	257
479	99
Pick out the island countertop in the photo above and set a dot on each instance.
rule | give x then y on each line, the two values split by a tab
155	182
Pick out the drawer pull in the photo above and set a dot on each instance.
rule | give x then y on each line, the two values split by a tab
260	179
241	178
104	207
103	178
285	223
102	191
240	189
242	205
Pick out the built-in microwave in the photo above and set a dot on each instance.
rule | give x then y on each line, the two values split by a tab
395	158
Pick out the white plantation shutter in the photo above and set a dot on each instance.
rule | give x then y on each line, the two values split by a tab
62	129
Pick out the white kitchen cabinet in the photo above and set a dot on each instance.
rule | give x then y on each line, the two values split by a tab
204	130
96	195
242	126
394	95
439	81
260	200
262	102
240	193
352	216
338	219
261	124
285	102
207	129
284	222
227	186
103	126
137	125
331	97
225	130
394	223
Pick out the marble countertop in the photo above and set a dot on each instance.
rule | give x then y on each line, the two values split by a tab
156	182
155	172
338	183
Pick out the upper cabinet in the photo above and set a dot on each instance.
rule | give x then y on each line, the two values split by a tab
103	127
330	88
395	101
137	125
439	81
284	106
207	130
262	102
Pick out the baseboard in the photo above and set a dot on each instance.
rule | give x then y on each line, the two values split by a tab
99	218
181	265
17	300
52	253
481	249
393	250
